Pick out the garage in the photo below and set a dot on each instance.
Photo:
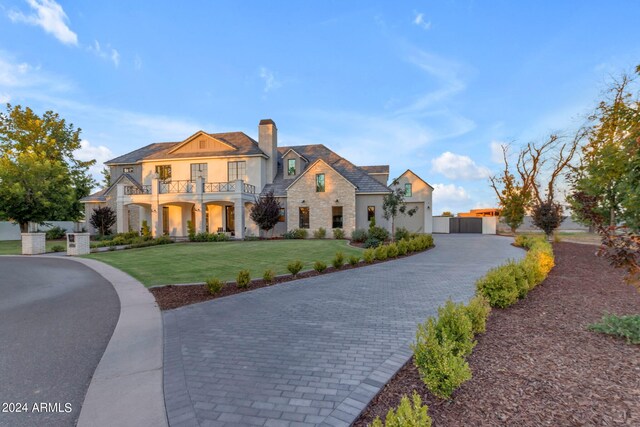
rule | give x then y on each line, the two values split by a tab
415	223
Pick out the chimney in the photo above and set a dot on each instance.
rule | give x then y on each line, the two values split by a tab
268	142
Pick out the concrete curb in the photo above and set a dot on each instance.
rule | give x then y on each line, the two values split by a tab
127	386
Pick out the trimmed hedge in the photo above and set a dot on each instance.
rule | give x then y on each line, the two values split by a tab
409	414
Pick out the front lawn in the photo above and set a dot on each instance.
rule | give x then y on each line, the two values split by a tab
14	247
194	262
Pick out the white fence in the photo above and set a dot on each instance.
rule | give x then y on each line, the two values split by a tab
441	224
11	231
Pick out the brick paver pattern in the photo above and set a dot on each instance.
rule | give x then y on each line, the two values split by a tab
317	350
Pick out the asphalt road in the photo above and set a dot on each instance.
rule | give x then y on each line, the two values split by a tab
56	319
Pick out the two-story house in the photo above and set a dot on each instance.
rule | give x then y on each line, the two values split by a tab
214	179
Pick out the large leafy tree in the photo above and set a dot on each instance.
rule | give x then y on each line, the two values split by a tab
40	178
394	204
266	211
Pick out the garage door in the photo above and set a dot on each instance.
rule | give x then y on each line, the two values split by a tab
465	225
415	223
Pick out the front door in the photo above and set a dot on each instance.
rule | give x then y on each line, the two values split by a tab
165	220
230	214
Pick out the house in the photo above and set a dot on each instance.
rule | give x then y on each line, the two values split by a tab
479	213
213	179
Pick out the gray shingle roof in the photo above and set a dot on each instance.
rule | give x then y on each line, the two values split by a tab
101	196
141	153
355	175
375	169
98	196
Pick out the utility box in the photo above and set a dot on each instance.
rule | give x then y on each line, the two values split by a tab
78	244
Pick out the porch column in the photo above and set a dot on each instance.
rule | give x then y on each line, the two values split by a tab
122	219
156	209
238	217
201	217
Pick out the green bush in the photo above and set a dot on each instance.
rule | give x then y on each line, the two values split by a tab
359	235
163	240
55	233
454	324
58	248
381	253
320	233
191	230
269	275
243	279
295	267
369	255
338	260
214	285
372	243
319	266
499	287
338	233
478	311
296	233
144	230
441	370
413	245
403	247
209	237
392	250
408	414
354	259
402	233
379	233
627	327
520	276
532	271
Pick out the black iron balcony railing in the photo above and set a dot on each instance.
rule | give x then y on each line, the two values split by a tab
131	190
165	187
177	187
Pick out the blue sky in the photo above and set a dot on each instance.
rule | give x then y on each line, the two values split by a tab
431	86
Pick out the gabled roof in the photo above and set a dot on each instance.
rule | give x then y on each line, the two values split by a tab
177	146
375	170
416	175
308	168
298	154
101	196
363	182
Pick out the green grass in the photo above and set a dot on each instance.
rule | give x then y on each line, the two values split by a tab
14	247
195	262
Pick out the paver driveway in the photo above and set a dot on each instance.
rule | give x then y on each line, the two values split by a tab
313	351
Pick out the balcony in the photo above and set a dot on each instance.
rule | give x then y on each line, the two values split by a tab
186	187
131	190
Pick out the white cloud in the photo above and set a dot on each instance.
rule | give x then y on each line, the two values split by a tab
4	98
98	153
496	151
21	75
456	166
420	21
137	63
270	82
107	53
450	197
50	16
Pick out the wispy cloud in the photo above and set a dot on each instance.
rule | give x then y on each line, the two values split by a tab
137	63
456	166
270	82
50	16
421	22
107	53
450	197
15	75
4	98
99	153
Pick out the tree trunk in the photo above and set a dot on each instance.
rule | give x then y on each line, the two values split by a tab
24	227
612	217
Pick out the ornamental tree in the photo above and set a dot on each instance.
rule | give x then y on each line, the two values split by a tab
266	212
394	204
102	219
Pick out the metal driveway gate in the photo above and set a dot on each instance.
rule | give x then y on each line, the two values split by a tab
465	225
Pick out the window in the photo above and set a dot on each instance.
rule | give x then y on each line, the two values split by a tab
291	167
127	170
320	183
164	172
282	216
236	170
336	214
202	144
304	218
198	170
408	191
371	213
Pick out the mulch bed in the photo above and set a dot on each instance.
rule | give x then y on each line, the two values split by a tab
174	296
537	364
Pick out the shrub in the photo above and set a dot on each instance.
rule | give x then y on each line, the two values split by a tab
477	311
144	230
440	369
372	243
319	266
55	233
378	233
58	248
338	260
408	414
214	285
369	255
499	287
359	235
163	240
520	276
532	271
381	253
338	233
243	279
354	259
296	233
413	245
392	250
191	230
210	237
295	267
623	326
269	275
454	324
402	233
403	247
102	219
320	233
521	241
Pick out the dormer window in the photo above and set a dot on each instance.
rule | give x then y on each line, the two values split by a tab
127	170
291	167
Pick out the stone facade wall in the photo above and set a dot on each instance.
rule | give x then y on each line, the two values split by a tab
80	245
33	243
320	203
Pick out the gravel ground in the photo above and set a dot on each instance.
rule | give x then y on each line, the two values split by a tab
537	364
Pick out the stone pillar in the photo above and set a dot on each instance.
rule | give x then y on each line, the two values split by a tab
78	244
122	217
156	209
201	217
239	219
33	243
